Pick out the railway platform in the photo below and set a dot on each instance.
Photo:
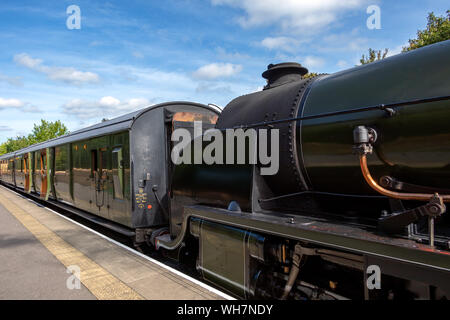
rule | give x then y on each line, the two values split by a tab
44	255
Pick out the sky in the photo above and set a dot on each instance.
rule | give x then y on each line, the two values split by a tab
130	54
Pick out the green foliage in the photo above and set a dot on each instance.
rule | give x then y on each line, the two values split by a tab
438	29
41	132
374	55
310	75
47	130
13	144
3	148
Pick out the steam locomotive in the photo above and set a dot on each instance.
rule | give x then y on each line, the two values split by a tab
355	210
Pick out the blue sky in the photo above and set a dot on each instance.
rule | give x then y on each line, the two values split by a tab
129	54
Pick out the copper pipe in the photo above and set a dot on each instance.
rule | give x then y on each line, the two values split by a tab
397	195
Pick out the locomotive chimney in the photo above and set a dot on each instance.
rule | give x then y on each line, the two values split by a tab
281	73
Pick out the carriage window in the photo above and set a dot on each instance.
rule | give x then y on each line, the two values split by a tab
117	171
61	159
44	161
103	161
195	116
18	164
25	164
37	162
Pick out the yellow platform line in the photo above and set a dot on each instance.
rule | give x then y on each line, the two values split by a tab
96	279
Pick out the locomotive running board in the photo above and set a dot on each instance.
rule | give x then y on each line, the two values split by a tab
323	233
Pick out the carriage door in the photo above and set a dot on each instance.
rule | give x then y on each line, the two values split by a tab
99	167
26	171
44	178
37	172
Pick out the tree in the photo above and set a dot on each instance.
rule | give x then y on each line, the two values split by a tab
374	55
13	144
310	75
438	29
3	148
44	131
47	130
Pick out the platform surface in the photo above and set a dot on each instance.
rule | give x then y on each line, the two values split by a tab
43	255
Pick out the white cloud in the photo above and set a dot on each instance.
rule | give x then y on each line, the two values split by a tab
280	43
224	55
18	105
14	81
291	15
10	103
109	102
70	75
105	107
27	61
312	62
64	74
216	70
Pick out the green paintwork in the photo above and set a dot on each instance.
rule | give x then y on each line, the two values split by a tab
77	183
35	172
18	175
416	141
70	175
315	232
30	170
49	172
222	256
118	172
63	173
72	179
226	255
